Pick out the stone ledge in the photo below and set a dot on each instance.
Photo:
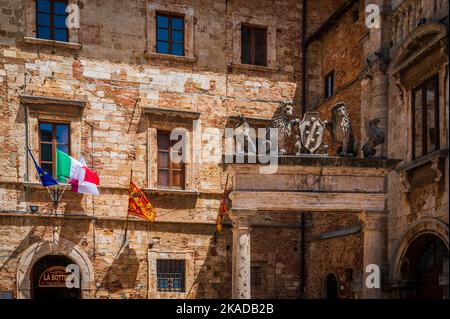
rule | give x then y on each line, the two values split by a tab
38	185
33	100
311	160
251	67
180	58
52	43
422	160
171	112
234	119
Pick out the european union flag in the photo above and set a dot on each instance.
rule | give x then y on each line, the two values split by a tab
46	178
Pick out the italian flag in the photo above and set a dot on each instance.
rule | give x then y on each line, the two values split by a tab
81	178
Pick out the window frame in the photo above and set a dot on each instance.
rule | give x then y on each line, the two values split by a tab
54	142
256	286
326	88
423	86
182	277
170	16
52	17
170	168
252	29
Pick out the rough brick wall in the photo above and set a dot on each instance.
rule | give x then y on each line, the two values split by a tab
338	50
116	78
338	255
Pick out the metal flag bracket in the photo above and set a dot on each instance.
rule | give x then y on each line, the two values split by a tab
56	194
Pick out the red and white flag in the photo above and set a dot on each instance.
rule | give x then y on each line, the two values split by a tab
84	180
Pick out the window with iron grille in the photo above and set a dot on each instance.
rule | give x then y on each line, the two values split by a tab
256	277
170	174
51	20
425	117
171	275
52	137
169	34
329	84
254	45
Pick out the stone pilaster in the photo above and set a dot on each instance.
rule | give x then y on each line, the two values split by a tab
375	242
241	255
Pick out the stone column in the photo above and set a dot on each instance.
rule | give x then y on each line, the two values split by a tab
241	256
375	249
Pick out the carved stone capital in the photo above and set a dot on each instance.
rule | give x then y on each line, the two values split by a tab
241	219
373	220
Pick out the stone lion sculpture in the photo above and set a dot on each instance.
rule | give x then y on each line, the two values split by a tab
341	130
282	121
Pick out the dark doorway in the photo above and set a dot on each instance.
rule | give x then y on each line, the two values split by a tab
422	267
331	287
48	267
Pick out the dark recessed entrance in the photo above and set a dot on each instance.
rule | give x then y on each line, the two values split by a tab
422	267
47	278
331	287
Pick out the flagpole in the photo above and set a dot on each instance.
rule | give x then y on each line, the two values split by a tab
128	211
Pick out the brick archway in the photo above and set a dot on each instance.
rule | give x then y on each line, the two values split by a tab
60	247
421	227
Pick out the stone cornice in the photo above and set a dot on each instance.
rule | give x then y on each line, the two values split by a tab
252	121
329	161
33	100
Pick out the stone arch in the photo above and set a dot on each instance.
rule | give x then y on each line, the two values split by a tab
428	32
61	247
421	227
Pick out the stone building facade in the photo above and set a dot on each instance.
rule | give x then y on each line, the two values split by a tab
113	89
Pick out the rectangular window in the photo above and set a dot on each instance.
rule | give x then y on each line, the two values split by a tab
171	275
170	175
255	277
51	20
329	84
425	117
169	34
253	45
52	137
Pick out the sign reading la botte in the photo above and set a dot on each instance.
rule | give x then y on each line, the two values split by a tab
55	276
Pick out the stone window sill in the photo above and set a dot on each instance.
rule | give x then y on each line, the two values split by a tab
180	58
422	160
433	158
168	191
251	67
52	43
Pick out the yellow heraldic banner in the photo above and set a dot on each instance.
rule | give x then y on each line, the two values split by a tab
138	204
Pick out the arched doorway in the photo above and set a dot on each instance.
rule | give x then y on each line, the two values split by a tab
331	287
61	248
422	266
48	280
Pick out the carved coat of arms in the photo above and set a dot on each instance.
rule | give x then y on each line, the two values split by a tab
311	134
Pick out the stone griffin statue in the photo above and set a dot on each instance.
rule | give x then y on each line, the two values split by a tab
242	129
341	130
282	121
375	136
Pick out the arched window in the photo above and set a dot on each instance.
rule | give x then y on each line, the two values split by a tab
331	287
